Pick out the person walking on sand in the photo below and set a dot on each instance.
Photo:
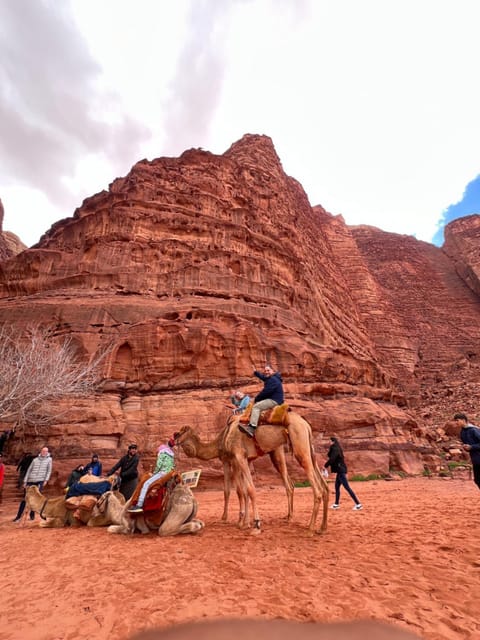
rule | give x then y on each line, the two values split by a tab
470	436
336	462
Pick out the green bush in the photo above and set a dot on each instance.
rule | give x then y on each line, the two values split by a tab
301	483
358	477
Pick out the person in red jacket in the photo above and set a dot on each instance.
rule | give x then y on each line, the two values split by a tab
2	475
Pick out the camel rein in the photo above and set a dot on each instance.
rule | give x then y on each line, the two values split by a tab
41	510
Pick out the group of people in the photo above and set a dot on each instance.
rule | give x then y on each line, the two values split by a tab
36	470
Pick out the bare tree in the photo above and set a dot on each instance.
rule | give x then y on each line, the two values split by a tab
36	370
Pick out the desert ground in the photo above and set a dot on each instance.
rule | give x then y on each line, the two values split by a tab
409	558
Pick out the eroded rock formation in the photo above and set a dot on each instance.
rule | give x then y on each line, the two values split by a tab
194	270
10	244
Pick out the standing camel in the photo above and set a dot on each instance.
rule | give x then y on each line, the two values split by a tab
235	450
221	447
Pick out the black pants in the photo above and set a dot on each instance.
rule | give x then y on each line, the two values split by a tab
476	474
341	481
127	487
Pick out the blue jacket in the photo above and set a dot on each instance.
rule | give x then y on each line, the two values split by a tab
471	435
96	468
272	387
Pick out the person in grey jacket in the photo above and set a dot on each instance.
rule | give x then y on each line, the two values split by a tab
38	473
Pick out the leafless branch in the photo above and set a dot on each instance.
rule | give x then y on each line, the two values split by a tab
37	369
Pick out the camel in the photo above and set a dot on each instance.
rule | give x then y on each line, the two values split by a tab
107	510
178	516
56	513
236	449
53	510
193	447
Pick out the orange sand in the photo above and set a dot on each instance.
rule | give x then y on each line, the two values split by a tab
409	558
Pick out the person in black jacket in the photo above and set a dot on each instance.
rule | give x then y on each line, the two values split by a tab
128	471
336	462
269	396
470	436
22	467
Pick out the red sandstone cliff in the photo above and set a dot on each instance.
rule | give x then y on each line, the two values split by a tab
199	268
10	244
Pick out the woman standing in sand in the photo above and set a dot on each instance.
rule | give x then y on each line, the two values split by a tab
337	465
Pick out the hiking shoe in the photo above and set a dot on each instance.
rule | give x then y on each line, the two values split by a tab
248	430
135	510
32	518
16	520
357	507
335	506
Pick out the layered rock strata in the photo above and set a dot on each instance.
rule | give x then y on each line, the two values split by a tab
193	271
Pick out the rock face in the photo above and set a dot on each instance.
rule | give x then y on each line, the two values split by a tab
196	270
10	244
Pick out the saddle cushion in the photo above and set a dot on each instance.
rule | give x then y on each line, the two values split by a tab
276	415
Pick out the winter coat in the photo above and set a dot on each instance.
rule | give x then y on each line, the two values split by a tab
128	467
471	435
272	387
335	460
39	470
165	460
96	468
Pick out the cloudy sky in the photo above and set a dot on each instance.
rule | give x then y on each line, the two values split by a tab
372	106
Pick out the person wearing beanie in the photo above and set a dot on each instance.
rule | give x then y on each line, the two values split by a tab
165	464
470	436
94	466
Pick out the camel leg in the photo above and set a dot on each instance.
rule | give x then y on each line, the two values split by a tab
242	493
182	509
307	465
227	481
249	487
325	496
242	506
278	459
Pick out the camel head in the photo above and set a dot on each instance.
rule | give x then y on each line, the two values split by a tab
32	495
186	438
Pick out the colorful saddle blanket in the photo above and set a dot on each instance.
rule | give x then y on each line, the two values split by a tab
276	415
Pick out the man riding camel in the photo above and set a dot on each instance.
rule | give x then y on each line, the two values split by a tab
270	396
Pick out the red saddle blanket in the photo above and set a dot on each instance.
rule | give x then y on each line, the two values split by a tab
157	496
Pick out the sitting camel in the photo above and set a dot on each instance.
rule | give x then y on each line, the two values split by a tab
236	449
56	513
176	515
53	511
107	510
220	448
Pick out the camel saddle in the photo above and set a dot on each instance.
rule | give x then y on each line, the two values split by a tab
157	496
277	415
80	503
